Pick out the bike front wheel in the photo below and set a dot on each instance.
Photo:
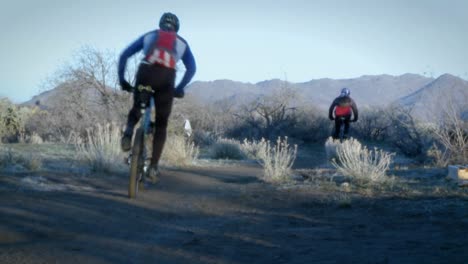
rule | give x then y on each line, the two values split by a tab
136	163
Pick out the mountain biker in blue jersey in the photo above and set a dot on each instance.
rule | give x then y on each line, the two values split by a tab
343	106
162	48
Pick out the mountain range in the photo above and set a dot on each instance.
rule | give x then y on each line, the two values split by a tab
417	91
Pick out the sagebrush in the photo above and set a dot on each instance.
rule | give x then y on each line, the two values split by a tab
179	151
101	147
360	163
226	149
277	159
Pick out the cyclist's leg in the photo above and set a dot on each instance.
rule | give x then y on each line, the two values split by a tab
346	126
163	102
163	81
336	134
134	115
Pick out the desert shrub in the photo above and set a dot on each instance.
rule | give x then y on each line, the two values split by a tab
373	124
409	135
204	138
310	125
178	151
214	118
452	137
226	149
29	161
245	129
331	147
277	159
101	147
438	155
10	123
361	164
254	149
7	157
268	115
32	138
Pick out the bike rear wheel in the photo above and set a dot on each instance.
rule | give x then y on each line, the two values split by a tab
136	163
342	137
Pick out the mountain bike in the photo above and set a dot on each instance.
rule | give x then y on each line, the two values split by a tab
138	158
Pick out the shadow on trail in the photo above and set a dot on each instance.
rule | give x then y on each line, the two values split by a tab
265	225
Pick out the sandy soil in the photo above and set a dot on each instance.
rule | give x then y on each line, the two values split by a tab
220	215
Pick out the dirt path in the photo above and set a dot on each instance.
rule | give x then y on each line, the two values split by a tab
218	215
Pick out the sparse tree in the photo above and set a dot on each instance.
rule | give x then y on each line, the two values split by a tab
405	132
88	95
270	114
452	134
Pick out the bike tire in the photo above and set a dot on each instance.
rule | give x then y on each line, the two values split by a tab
342	128
136	163
341	134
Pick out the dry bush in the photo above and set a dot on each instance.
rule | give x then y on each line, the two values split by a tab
178	151
440	158
276	159
101	147
452	135
227	149
32	138
254	149
7	157
308	123
203	138
361	164
408	134
331	146
373	124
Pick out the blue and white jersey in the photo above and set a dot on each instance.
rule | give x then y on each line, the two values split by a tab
163	48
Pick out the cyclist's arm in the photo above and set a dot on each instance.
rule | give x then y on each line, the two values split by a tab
190	68
135	47
330	111
355	110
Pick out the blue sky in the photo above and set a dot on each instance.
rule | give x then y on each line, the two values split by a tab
247	41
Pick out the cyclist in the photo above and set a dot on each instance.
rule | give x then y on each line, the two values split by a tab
343	106
162	48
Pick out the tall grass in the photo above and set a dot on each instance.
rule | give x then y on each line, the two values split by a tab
277	159
101	147
361	164
10	159
179	151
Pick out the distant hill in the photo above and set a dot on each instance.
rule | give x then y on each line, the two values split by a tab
366	90
424	94
442	93
64	91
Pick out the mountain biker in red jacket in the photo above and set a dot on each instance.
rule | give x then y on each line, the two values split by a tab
162	48
343	106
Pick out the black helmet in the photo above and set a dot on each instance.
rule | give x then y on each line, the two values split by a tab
345	92
169	22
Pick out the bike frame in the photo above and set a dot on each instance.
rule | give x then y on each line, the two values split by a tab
138	159
146	124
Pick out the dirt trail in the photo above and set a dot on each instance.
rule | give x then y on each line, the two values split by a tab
216	215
